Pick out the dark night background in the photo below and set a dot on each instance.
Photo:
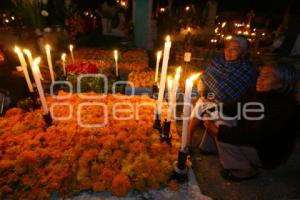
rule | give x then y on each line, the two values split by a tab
237	5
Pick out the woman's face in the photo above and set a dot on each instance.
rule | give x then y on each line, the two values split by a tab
268	80
232	50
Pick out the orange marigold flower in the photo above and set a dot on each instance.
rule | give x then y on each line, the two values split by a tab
6	164
121	185
98	186
173	185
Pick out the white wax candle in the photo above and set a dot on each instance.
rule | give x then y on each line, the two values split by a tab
187	109
116	61
29	56
48	50
24	67
158	57
35	71
63	59
170	103
164	70
175	88
71	47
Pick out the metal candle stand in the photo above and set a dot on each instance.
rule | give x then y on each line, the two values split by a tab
48	119
180	172
157	124
165	134
34	97
154	91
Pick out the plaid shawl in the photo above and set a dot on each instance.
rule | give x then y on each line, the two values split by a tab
229	81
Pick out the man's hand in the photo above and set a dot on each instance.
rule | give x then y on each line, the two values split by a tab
210	125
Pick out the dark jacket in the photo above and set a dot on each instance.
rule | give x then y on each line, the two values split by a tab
274	136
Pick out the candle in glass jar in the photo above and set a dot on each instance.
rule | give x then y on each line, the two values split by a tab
24	67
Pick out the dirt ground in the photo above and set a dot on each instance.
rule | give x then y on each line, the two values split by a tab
280	184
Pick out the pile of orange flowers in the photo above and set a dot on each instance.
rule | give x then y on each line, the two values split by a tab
142	79
134	54
133	60
67	158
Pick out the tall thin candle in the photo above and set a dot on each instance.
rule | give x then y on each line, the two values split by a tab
175	88
170	87
30	60
164	73
116	61
63	59
71	47
24	67
35	71
158	58
187	108
48	53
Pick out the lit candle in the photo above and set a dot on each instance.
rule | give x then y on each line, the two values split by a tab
71	47
170	86
29	56
48	49
24	67
35	70
116	61
158	57
187	108
164	70
175	87
63	59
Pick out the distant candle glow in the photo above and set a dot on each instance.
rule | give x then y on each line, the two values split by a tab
187	8
228	37
162	10
71	47
224	24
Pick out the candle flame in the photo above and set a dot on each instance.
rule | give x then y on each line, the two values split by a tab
194	77
27	52
159	53
224	24
71	47
228	37
189	29
17	50
63	56
168	38
170	82
36	63
178	70
116	54
47	47
162	9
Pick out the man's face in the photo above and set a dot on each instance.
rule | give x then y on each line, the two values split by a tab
232	50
